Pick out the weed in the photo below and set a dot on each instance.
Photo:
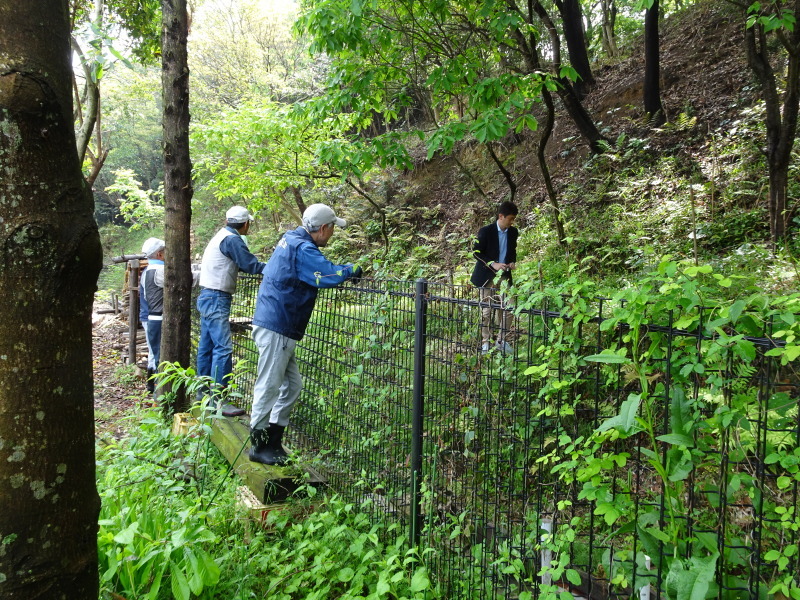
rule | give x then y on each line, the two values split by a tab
169	528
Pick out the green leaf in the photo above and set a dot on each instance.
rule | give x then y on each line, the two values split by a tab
608	357
195	576
155	587
609	511
180	586
772	555
693	271
680	413
790	353
382	588
573	577
127	535
209	568
692	583
625	421
420	580
676	439
736	310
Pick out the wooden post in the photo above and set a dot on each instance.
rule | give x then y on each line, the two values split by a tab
133	309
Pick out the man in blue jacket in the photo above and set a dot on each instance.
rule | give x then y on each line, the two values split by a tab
286	298
226	255
495	252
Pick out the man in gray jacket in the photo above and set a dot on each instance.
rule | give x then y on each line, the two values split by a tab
225	255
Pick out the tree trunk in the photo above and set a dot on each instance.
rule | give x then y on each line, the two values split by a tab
581	117
778	182
576	45
178	191
781	117
512	186
652	67
547	130
298	198
51	258
92	91
609	37
533	62
577	112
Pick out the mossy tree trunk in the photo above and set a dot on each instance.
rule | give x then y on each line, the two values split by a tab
51	257
178	191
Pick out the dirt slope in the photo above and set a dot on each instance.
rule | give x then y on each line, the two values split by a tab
704	75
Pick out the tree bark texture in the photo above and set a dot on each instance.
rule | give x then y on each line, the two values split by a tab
781	115
573	105
51	258
178	191
544	137
572	21
652	67
609	37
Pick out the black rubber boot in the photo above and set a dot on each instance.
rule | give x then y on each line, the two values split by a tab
151	384
275	445
259	452
229	410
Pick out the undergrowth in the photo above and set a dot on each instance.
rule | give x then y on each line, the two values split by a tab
170	528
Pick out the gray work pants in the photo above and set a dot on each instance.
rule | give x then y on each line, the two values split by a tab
278	381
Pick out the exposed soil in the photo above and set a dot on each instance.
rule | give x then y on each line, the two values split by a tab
117	389
704	74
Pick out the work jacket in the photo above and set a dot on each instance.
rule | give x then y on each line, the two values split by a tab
292	277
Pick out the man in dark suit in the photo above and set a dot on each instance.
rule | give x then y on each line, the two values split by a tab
495	252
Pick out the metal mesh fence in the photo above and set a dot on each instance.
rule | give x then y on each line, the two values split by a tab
599	456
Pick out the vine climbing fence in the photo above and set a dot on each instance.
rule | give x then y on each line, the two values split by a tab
618	448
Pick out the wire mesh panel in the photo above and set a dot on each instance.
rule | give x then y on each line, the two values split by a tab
245	354
357	361
601	448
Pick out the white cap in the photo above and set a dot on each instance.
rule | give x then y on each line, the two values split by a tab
317	215
151	247
238	214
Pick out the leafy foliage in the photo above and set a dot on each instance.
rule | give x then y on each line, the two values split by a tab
141	19
169	529
709	402
257	153
141	208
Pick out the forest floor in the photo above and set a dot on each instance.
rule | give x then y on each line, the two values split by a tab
118	389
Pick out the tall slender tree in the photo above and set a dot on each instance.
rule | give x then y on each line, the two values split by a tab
178	190
652	64
608	36
765	23
574	34
51	257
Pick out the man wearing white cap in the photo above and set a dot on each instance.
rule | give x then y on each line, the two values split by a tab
225	255
294	273
151	303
